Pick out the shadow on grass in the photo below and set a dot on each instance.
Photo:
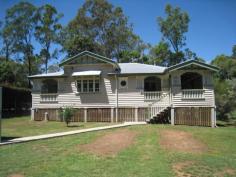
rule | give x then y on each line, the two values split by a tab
75	126
226	123
8	138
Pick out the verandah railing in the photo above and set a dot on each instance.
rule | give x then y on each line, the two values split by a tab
156	95
48	97
193	94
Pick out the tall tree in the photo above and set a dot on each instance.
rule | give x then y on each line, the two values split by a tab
12	73
173	28
21	22
47	31
7	41
99	27
161	54
234	52
225	87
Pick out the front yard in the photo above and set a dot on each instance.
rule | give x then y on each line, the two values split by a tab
141	151
23	126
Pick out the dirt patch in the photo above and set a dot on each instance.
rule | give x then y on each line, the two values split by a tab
16	175
180	167
226	172
192	169
181	141
111	143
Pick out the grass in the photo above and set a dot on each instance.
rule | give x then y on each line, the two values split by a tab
145	158
23	126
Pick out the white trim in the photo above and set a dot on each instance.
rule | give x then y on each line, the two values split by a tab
191	64
123	79
87	73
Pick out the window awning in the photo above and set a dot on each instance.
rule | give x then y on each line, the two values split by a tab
87	73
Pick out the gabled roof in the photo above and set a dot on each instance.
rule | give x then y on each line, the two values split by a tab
138	68
93	55
192	62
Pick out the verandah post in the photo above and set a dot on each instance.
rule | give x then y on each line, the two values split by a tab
136	114
85	115
213	117
112	114
32	114
172	115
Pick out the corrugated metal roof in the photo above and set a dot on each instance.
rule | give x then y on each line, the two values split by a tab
136	68
55	74
86	73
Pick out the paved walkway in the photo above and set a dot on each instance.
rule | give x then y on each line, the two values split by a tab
54	135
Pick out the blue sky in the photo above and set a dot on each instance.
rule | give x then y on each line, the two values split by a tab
212	29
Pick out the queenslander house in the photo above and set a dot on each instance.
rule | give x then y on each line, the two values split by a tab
102	90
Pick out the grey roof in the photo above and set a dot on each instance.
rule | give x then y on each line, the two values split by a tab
55	74
138	68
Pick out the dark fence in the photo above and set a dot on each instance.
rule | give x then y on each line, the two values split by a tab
15	102
200	116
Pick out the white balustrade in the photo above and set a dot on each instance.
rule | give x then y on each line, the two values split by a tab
48	98
193	94
154	95
155	109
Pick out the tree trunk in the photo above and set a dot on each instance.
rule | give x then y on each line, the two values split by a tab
7	54
46	65
29	69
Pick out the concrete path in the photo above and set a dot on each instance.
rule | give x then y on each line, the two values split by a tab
54	135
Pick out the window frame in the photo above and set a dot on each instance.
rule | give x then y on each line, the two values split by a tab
123	79
95	80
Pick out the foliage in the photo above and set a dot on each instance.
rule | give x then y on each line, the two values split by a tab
161	54
12	73
173	29
67	113
47	31
21	21
7	48
99	27
225	87
234	52
53	68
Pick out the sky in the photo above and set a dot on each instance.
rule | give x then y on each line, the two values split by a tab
212	27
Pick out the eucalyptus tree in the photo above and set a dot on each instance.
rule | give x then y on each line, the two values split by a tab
20	26
99	27
173	29
47	32
7	41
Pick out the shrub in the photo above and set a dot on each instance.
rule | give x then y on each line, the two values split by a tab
68	113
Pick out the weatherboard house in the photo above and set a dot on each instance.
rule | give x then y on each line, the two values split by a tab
102	90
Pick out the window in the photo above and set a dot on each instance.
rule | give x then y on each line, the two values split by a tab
88	85
191	80
85	86
79	86
123	82
96	85
152	84
49	86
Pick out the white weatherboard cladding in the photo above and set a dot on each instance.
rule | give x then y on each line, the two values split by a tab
209	98
132	96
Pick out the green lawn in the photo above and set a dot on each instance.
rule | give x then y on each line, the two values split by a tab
23	126
144	158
